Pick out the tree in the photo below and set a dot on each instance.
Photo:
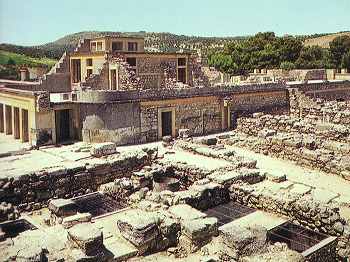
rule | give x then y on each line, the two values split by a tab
338	47
345	62
313	57
11	62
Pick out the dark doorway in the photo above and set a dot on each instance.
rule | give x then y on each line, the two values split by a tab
76	70
62	125
166	123
25	125
233	119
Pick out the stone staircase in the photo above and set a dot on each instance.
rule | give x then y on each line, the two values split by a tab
62	66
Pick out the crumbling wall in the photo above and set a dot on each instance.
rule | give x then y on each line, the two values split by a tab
32	191
301	209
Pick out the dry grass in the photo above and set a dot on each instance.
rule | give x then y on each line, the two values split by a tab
323	41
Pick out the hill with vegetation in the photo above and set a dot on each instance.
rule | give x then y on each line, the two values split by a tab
10	58
323	40
159	41
267	51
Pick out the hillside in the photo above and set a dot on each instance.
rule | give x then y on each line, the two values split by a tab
19	59
158	41
323	41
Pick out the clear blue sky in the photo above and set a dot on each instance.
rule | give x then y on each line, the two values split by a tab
30	22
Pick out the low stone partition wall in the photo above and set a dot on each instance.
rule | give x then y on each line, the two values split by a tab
219	152
32	191
302	209
330	157
284	123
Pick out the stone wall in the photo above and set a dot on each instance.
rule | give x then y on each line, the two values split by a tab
283	123
326	110
301	209
306	151
201	116
32	191
273	101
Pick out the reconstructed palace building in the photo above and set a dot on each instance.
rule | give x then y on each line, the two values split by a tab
111	89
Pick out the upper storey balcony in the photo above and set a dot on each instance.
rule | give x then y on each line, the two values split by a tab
117	44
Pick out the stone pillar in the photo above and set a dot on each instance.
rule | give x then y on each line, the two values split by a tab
24	126
16	123
8	120
2	118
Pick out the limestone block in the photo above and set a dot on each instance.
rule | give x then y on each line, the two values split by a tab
185	212
209	141
200	228
32	253
62	207
276	176
140	228
70	221
245	240
266	133
103	149
184	133
86	237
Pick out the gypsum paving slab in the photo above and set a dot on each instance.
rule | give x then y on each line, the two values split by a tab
229	212
97	204
14	228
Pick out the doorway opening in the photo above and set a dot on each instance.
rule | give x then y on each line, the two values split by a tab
62	118
25	129
233	119
166	123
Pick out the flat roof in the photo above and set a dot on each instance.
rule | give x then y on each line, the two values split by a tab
116	36
19	92
17	82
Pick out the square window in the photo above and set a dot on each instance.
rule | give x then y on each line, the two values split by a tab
132	46
89	62
117	46
93	46
99	46
65	96
131	61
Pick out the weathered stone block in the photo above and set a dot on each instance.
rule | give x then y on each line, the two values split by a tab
245	240
185	212
86	237
70	221
140	228
103	149
62	207
200	228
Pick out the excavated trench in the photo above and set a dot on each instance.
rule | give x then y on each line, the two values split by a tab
12	229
